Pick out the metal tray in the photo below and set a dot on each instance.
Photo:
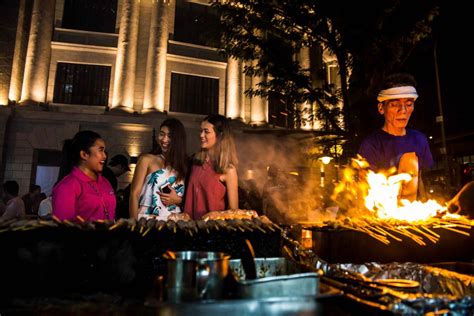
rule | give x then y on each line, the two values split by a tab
276	277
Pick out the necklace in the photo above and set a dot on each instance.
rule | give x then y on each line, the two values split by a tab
96	190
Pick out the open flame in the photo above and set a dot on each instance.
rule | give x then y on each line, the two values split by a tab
383	199
369	203
379	193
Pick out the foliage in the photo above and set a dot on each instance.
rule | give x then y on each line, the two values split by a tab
368	41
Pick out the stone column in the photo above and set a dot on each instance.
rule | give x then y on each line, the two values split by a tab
234	89
19	55
124	78
306	107
156	60
38	55
258	105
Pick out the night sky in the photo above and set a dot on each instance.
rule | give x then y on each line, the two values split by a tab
454	67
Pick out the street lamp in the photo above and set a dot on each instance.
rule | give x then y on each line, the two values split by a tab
324	161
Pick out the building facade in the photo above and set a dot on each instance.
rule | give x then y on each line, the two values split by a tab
120	67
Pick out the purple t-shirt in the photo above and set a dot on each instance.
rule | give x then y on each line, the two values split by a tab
383	150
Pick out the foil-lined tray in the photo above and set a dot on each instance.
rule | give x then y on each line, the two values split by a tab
276	277
432	280
436	289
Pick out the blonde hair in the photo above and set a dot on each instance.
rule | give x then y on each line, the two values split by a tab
225	153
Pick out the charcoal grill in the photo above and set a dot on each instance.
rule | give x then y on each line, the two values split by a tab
339	246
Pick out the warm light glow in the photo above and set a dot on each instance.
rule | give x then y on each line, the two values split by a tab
3	100
382	199
249	174
362	192
294	173
371	204
133	150
326	159
307	238
233	88
14	92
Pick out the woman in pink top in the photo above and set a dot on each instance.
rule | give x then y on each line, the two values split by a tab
213	182
84	192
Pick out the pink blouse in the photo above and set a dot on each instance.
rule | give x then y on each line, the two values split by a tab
79	195
204	192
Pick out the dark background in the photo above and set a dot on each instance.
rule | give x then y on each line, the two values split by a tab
453	37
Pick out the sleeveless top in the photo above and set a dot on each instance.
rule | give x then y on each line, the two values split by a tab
205	192
150	205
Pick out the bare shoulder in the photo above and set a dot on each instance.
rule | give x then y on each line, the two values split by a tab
151	162
231	168
145	161
150	159
231	171
146	157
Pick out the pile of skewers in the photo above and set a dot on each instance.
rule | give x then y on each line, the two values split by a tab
385	230
144	227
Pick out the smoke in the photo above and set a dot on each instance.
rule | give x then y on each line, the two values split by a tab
288	184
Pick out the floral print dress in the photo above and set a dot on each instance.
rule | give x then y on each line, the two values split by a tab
150	205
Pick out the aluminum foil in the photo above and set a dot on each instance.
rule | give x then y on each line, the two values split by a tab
438	290
441	306
432	280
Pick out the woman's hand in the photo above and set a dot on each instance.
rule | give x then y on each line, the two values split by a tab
171	198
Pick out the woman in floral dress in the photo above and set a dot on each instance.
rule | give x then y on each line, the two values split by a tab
158	182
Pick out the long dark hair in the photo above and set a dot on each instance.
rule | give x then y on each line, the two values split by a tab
225	153
71	153
176	156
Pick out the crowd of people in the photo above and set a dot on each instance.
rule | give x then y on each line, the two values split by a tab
87	188
166	181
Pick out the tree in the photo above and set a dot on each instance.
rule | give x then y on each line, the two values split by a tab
368	43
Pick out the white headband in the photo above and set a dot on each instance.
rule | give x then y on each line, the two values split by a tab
397	93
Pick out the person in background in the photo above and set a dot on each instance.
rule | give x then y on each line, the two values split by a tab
394	145
158	183
14	205
123	203
83	191
213	182
45	209
118	165
32	199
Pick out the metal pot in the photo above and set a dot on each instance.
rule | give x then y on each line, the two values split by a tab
196	275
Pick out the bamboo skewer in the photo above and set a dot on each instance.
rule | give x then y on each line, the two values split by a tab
428	236
417	231
391	235
456	230
430	231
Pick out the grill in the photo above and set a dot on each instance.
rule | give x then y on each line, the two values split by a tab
75	261
59	258
338	246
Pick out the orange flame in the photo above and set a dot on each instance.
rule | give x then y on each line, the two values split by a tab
379	193
382	199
